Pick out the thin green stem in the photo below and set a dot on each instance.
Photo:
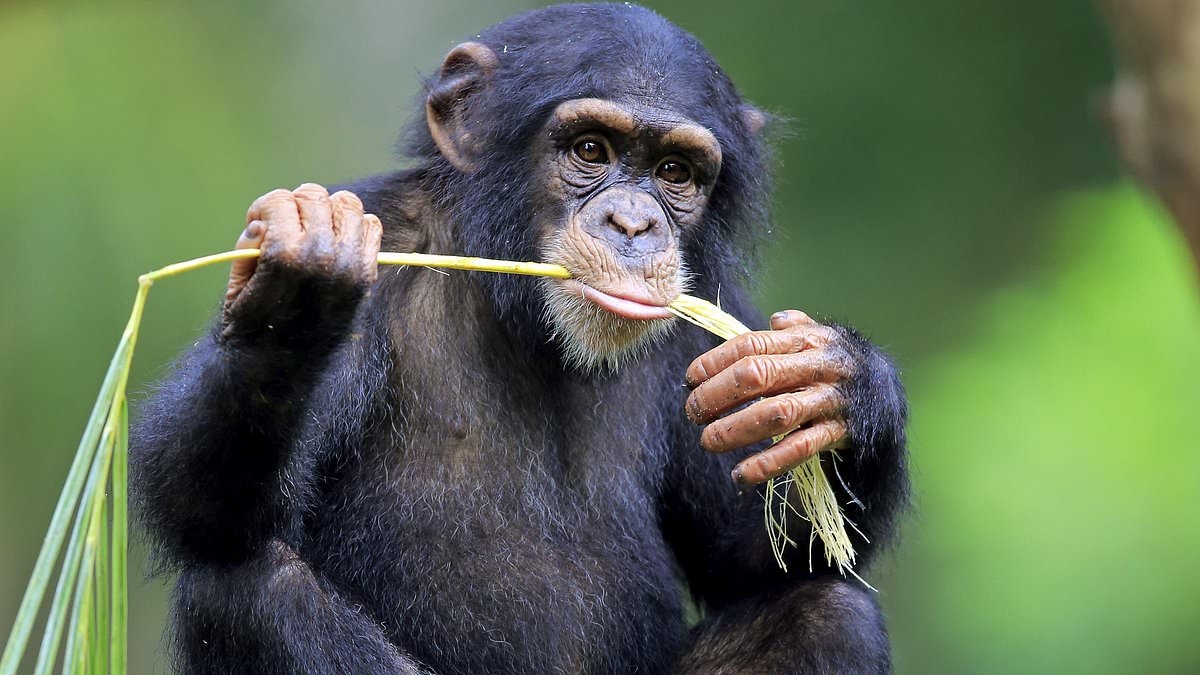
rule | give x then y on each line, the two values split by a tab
69	574
101	614
76	657
119	616
57	531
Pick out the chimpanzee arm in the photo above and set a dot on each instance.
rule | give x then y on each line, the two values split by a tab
214	472
759	618
210	450
274	614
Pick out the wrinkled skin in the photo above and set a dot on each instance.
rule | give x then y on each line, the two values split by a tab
798	369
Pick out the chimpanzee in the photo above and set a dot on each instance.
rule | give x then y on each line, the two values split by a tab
405	471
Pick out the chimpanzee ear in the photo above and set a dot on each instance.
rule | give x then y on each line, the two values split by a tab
754	119
467	68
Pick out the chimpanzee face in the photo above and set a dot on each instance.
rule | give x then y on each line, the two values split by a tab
614	183
623	181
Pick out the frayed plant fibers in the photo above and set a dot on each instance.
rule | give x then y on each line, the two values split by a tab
88	608
807	482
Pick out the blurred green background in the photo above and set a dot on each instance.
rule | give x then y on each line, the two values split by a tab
945	187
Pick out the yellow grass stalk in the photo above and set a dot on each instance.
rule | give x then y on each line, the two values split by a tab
807	483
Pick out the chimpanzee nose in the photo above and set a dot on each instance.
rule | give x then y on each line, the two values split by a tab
631	225
633	217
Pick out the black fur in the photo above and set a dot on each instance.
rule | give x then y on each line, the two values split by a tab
425	488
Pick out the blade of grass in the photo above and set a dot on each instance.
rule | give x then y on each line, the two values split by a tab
68	576
76	658
119	619
101	614
101	456
57	531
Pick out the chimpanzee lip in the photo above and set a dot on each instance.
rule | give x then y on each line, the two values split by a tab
628	308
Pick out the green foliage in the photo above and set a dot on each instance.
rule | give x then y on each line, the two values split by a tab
1057	456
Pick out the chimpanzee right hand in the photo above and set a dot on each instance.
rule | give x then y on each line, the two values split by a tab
317	262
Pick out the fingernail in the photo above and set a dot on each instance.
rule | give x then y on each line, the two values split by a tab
779	316
739	479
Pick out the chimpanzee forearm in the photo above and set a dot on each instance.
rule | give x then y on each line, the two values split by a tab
213	451
210	452
829	626
291	620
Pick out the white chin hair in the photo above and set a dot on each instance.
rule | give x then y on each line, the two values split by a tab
593	339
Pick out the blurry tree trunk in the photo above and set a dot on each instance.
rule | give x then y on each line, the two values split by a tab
1153	107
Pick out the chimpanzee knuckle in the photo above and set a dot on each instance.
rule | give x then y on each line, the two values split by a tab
779	412
802	445
797	339
753	373
348	200
768	464
842	363
372	223
835	399
258	206
754	343
311	191
280	248
316	210
828	335
810	337
803	407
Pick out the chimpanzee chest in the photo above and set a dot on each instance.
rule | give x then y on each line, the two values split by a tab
511	562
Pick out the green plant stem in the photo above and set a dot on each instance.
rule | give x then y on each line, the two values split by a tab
119	616
76	657
101	633
68	576
57	531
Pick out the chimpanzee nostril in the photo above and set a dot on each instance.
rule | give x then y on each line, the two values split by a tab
631	225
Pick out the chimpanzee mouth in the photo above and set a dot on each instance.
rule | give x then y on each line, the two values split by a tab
625	307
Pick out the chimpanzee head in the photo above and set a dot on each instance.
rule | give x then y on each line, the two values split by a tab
605	139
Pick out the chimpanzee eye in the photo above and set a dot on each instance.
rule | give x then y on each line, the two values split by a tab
591	151
674	172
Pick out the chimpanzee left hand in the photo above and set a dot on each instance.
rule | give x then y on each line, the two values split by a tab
799	369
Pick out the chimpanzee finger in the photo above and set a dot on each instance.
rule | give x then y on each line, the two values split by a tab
241	270
372	236
725	355
771	417
316	217
347	214
277	211
790	318
347	232
764	375
789	453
